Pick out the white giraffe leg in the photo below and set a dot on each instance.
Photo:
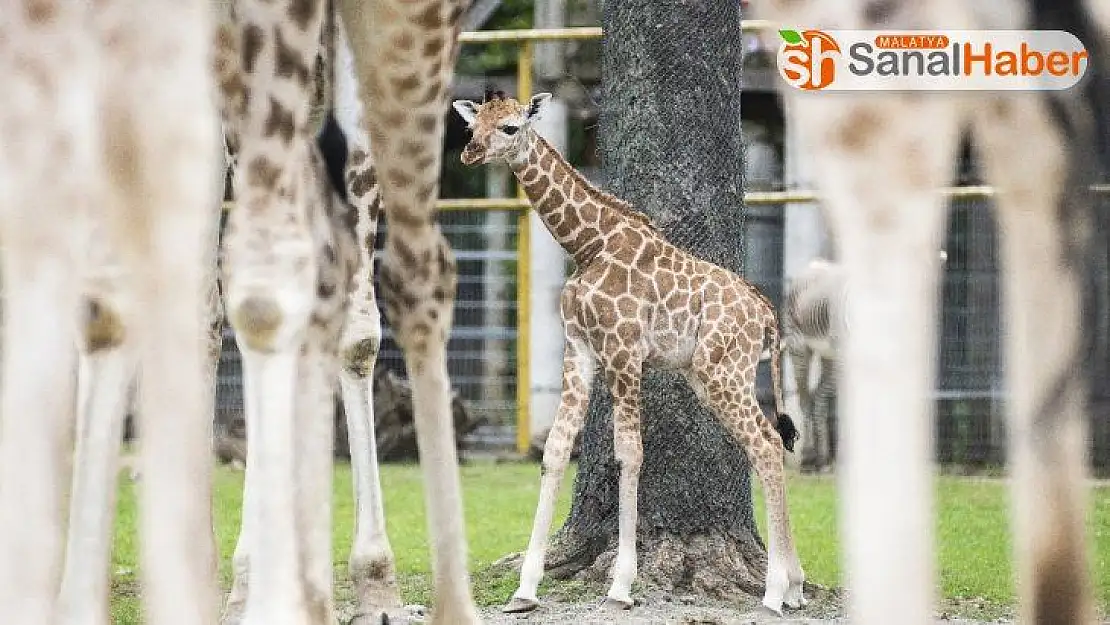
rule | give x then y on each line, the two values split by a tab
106	370
240	559
34	471
164	174
315	421
371	562
879	160
104	377
1048	444
275	595
39	213
886	234
37	402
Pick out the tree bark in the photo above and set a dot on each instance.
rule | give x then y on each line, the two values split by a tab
671	144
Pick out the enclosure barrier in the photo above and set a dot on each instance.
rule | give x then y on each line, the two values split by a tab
526	38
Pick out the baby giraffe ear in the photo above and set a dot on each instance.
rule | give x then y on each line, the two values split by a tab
466	110
535	106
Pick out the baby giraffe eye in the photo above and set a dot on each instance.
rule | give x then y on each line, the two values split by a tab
510	130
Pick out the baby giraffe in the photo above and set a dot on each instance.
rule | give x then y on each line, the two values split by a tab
636	299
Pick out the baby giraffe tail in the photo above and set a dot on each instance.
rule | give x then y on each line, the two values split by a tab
783	423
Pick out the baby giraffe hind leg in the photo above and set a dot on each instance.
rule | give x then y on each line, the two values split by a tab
726	376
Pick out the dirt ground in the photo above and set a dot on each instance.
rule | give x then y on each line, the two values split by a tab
825	607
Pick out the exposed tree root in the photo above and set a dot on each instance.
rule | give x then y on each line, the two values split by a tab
713	565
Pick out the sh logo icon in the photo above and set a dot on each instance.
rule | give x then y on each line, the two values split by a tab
807	60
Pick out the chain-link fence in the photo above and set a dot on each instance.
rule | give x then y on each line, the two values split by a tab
481	354
970	394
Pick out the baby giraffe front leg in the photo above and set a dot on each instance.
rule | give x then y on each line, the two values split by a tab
624	383
578	373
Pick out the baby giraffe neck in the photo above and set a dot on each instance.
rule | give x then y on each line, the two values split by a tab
574	211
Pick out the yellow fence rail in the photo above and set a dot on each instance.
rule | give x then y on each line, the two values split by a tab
526	39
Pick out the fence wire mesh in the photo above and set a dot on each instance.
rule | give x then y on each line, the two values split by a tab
481	354
970	396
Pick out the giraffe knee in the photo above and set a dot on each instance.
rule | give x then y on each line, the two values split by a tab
556	452
359	358
258	322
103	327
629	451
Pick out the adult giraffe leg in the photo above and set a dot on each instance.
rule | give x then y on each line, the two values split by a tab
579	367
404	54
371	562
315	467
1042	222
241	557
106	369
163	172
106	366
420	314
879	159
39	215
888	231
624	384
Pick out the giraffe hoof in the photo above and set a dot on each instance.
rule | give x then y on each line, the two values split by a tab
766	610
795	600
520	605
408	615
610	604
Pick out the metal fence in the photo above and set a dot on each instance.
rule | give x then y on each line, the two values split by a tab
481	352
970	423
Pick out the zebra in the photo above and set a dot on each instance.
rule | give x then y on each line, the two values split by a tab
814	320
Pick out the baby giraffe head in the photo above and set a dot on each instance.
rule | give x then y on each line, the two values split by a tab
498	126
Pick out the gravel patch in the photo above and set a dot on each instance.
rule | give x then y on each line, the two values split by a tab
825	608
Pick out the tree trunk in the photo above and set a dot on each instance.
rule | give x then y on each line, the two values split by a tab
671	144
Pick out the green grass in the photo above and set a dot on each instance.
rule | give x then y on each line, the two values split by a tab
971	534
973	547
